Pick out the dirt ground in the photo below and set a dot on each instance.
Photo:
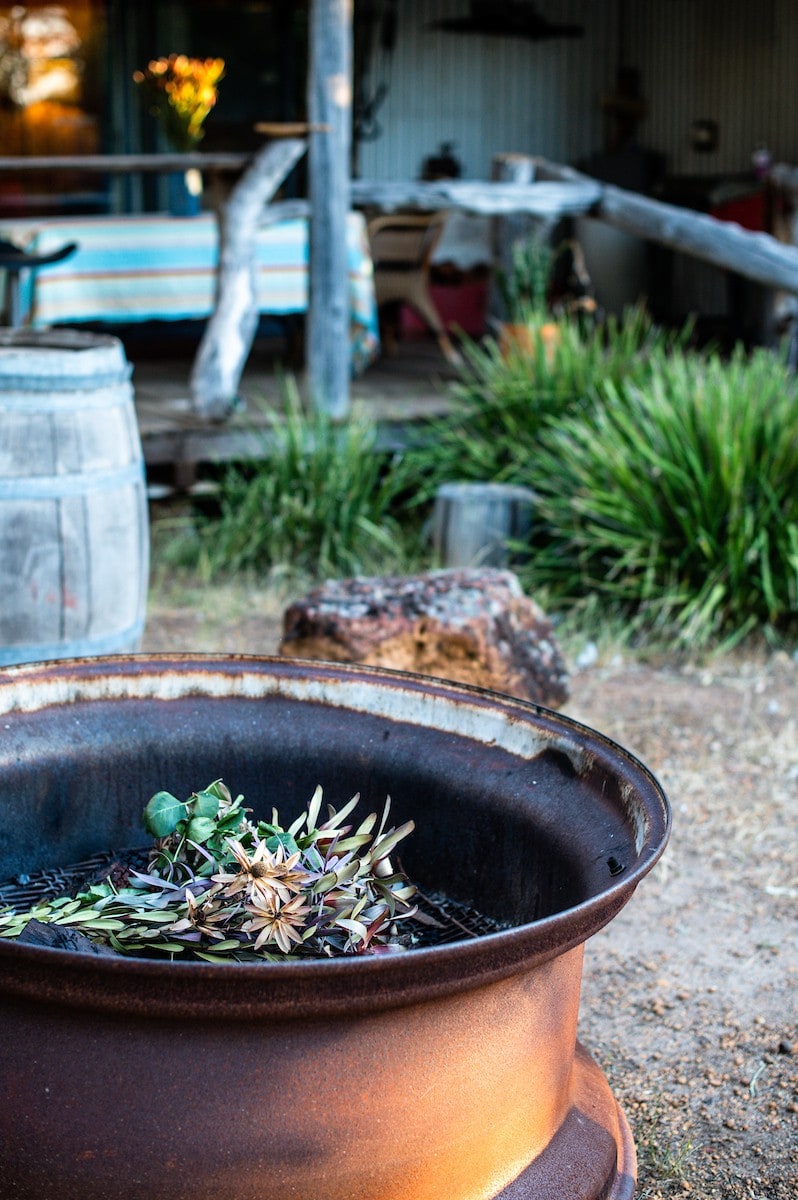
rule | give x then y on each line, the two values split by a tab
689	995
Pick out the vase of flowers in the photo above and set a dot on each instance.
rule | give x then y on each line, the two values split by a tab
181	92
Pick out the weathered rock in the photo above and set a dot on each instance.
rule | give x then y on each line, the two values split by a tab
471	625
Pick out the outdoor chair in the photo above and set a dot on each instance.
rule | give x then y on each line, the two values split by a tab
402	246
14	260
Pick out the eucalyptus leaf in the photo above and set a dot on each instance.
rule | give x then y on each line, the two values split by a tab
231	820
112	924
162	814
285	840
200	829
99	891
157	918
205	804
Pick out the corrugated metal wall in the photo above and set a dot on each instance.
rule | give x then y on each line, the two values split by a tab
732	61
491	95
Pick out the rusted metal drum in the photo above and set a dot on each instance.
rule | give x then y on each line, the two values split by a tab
74	537
452	1071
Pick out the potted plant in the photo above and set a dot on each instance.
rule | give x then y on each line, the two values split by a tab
449	1070
523	288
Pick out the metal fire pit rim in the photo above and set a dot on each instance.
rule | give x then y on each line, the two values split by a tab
99	982
516	712
88	667
350	983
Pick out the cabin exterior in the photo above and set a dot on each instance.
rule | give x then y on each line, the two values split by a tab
705	83
685	100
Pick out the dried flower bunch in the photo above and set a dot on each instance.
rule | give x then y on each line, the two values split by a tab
181	92
221	888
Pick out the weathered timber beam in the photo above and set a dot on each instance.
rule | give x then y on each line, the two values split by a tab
230	331
123	164
285	210
757	256
489	198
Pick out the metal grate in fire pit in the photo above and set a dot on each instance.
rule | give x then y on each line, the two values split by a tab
441	919
24	891
456	922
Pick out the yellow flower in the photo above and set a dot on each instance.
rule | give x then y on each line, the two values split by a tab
182	91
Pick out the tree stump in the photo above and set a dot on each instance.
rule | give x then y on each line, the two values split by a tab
470	626
475	524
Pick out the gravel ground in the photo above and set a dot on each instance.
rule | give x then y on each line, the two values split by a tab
689	998
689	995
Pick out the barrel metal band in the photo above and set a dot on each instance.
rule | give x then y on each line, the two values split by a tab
56	399
124	641
64	383
57	487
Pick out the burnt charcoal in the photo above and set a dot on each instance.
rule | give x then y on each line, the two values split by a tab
60	937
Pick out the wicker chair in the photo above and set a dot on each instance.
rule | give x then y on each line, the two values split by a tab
402	245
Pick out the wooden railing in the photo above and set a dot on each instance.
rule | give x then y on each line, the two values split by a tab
757	256
554	191
124	164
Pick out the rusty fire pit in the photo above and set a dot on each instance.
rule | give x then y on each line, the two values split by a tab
444	1073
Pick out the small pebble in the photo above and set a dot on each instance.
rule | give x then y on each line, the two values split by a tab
587	656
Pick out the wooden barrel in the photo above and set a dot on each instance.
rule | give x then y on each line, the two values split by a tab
74	536
474	524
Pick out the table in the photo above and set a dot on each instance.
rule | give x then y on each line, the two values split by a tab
466	241
156	267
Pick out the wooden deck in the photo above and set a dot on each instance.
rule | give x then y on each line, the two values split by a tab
398	391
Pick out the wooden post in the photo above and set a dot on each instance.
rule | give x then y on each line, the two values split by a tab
228	336
513	227
329	105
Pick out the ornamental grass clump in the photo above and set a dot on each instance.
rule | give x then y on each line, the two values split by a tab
221	888
675	500
502	403
524	285
314	504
